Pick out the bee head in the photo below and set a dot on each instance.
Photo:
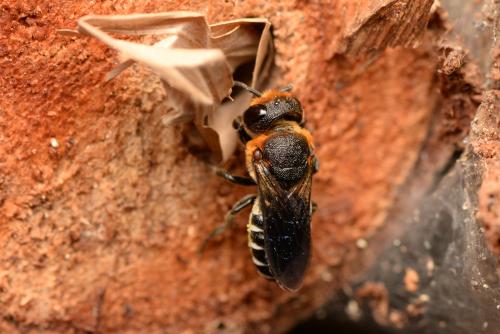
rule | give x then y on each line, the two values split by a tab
270	107
260	117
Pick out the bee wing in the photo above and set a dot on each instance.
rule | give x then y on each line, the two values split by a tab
287	231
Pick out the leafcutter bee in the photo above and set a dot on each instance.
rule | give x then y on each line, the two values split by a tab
280	160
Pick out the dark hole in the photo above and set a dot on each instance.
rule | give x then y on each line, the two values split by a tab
243	73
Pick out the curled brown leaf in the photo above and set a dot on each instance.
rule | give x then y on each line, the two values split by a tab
196	63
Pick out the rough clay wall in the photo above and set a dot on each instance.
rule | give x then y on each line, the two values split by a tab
102	208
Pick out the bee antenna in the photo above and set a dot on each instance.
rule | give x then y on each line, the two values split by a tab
287	88
250	89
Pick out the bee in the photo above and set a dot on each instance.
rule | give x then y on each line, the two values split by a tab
280	160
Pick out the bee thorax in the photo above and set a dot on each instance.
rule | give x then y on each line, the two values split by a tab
287	154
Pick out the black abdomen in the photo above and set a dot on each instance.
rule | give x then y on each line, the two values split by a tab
287	155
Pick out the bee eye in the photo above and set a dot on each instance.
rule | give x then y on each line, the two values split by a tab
254	114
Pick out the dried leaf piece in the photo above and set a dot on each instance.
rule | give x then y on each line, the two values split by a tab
196	63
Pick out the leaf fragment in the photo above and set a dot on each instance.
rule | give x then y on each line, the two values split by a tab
196	63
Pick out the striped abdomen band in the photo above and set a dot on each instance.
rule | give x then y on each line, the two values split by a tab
256	243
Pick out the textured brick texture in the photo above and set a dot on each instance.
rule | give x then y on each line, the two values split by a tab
103	208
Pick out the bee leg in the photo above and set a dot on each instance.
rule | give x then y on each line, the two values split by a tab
242	133
229	219
241	180
237	207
